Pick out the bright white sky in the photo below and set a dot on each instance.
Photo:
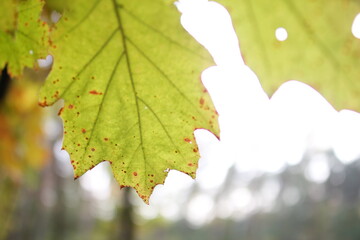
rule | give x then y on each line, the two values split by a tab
258	134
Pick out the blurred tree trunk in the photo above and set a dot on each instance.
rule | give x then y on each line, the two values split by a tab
126	221
9	191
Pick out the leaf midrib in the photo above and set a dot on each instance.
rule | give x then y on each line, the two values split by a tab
123	39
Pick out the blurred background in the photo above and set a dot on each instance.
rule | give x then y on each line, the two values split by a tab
286	168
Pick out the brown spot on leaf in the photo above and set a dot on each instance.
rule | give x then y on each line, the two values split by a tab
187	140
106	139
71	106
43	103
135	174
93	149
190	164
202	101
94	92
60	111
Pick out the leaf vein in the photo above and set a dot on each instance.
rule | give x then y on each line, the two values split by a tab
167	78
163	35
102	102
162	125
121	29
96	2
89	62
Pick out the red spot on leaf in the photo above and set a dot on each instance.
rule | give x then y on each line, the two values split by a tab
190	164
94	92
71	106
43	103
202	101
56	95
60	111
187	140
83	130
135	174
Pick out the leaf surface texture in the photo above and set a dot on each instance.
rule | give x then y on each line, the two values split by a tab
129	75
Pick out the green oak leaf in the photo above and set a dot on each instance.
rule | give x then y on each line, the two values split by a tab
23	35
129	75
320	50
